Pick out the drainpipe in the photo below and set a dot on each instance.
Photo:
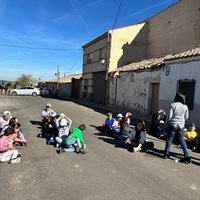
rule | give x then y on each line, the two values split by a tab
107	68
116	91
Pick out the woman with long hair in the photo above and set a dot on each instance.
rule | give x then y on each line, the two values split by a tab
178	114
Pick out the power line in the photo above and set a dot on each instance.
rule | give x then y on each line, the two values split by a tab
117	14
74	64
36	48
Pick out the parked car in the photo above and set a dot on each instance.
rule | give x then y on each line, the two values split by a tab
25	90
45	92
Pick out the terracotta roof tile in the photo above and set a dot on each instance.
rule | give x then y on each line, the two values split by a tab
185	54
144	64
156	62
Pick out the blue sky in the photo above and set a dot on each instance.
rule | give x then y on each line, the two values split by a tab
38	35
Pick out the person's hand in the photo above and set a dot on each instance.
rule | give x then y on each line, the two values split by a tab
10	147
25	142
136	149
127	141
84	145
128	114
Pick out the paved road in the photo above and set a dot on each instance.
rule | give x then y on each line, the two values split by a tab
105	173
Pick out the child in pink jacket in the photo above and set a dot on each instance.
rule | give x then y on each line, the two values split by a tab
7	151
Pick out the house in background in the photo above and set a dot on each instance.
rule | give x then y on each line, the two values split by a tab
150	85
173	30
65	85
103	54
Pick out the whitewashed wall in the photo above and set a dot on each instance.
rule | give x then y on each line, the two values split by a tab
168	86
132	90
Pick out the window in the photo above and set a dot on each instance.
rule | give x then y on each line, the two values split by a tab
187	87
90	58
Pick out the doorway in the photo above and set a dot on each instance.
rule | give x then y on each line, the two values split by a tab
155	97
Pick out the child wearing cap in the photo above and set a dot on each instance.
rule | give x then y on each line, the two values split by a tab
48	111
48	115
116	127
5	119
63	130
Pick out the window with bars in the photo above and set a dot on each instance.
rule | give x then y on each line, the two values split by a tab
187	87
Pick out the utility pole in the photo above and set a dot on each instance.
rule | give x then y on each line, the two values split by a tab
58	76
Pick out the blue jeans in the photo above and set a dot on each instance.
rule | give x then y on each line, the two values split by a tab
122	138
73	141
116	131
61	141
171	132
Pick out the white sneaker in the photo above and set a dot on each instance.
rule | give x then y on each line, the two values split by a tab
16	160
57	145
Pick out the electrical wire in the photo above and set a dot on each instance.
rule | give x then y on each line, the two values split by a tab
70	70
36	48
120	5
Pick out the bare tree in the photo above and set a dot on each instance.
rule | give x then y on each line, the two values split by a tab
25	79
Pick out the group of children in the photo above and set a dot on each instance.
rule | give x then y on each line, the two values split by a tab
64	137
10	135
69	139
133	137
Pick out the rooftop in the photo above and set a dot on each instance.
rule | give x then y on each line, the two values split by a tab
154	63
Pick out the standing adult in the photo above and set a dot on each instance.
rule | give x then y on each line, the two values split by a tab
178	114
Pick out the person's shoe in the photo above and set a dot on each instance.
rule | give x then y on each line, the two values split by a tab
82	151
186	160
14	161
61	150
76	149
19	155
166	156
57	145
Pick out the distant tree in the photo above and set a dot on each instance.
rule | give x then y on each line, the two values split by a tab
25	79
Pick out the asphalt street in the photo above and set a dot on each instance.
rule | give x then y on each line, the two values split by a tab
105	173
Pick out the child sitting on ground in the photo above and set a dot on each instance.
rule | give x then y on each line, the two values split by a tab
63	130
191	137
109	122
5	119
116	127
125	129
75	138
20	135
158	117
7	151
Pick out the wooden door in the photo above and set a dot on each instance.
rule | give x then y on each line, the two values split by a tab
155	97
